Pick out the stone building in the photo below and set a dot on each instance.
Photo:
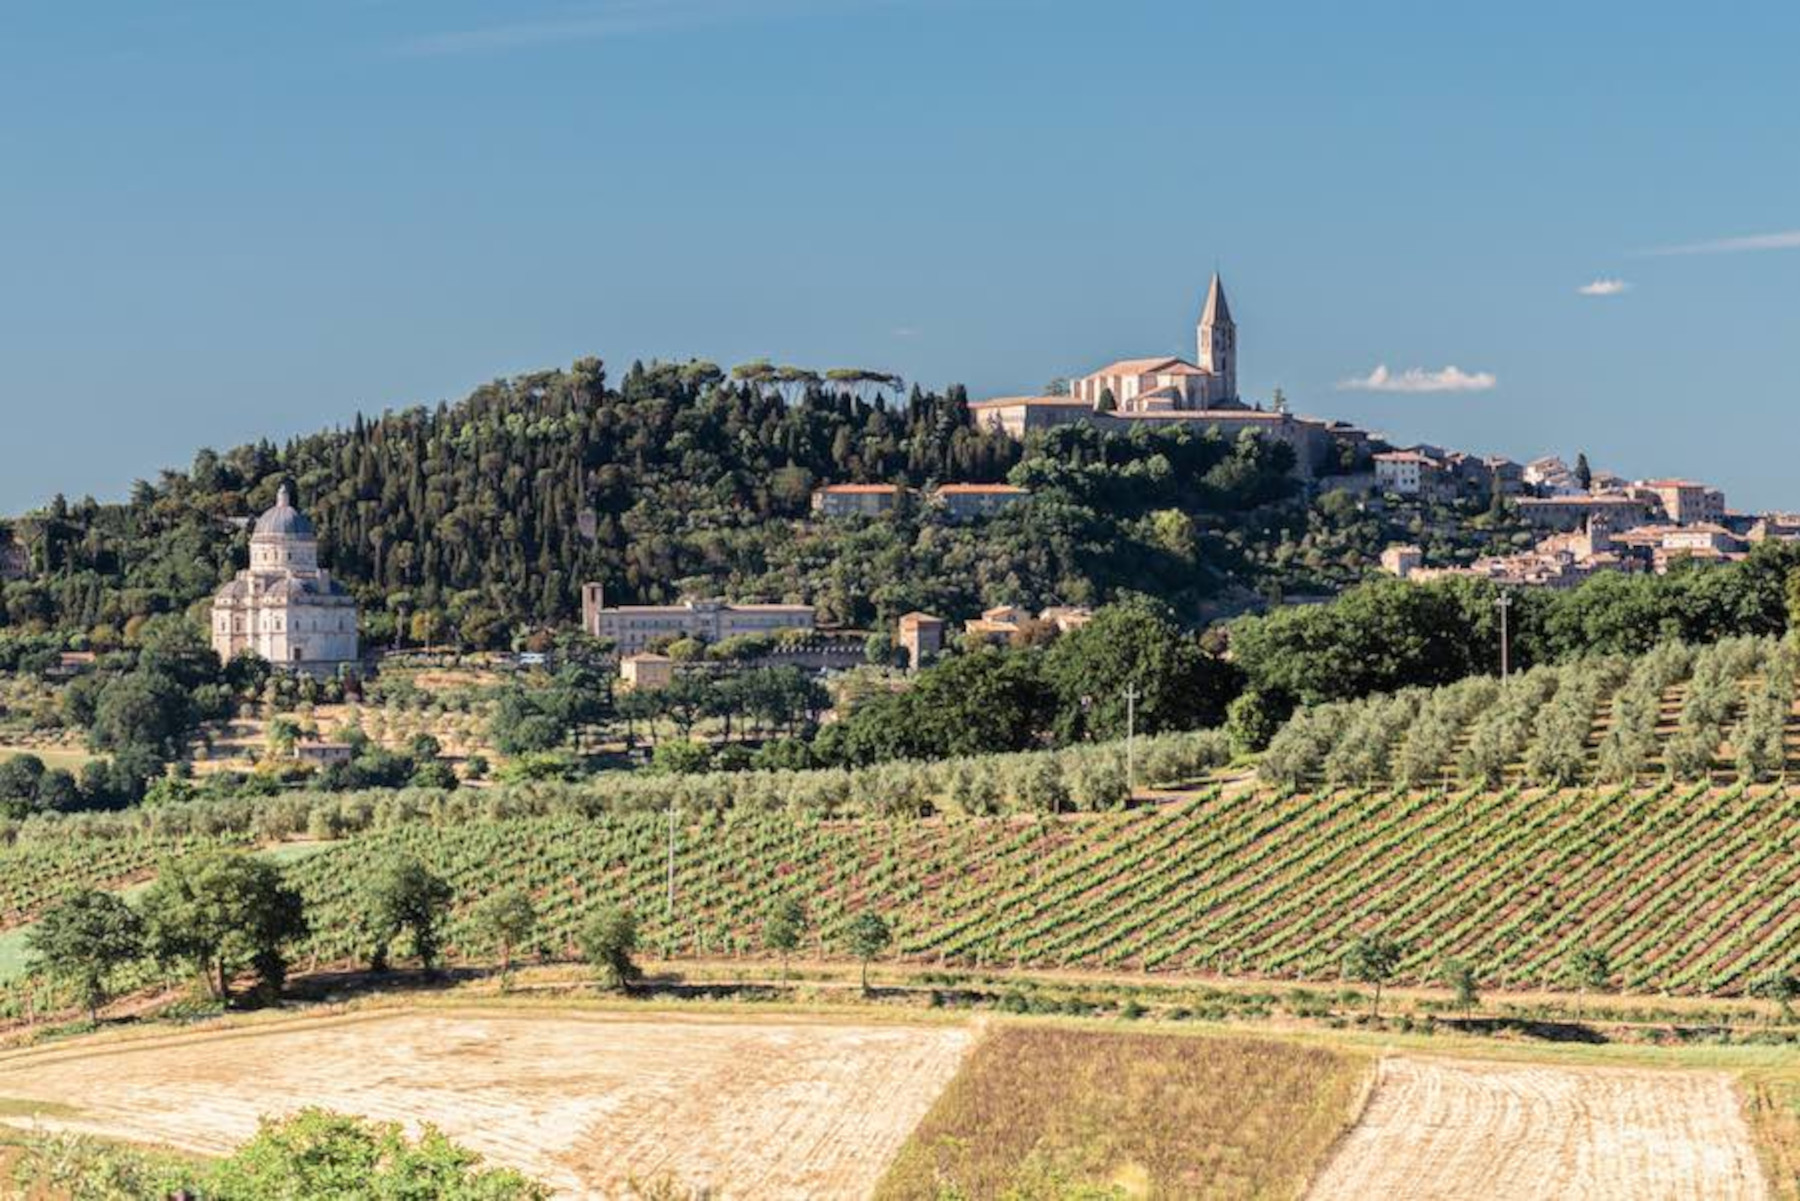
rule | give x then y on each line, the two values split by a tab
633	628
285	607
1166	384
969	502
1170	391
921	637
855	500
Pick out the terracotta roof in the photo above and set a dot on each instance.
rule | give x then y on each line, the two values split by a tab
1581	499
1406	456
1672	484
918	618
1203	415
859	489
1134	366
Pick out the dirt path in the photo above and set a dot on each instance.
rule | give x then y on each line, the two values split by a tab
1443	1129
778	1109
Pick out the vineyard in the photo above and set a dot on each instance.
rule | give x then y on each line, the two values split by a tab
1720	712
1633	808
1690	889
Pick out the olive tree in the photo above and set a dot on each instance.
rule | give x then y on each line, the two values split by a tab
784	929
221	912
1372	959
503	921
83	941
608	941
869	937
406	897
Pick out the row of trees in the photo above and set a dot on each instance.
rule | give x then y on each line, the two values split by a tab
1375	959
1389	634
221	914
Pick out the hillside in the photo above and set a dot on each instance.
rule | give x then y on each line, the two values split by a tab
1689	890
1724	711
466	521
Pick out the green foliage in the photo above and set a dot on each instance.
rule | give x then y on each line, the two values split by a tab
1542	726
1457	976
85	940
869	936
504	920
1373	959
219	913
311	1154
785	927
406	897
609	939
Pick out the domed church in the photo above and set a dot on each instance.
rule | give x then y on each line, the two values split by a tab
284	607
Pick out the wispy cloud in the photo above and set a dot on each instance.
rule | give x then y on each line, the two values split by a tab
1785	240
617	18
1604	287
1419	380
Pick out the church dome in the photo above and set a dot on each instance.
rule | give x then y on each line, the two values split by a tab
284	520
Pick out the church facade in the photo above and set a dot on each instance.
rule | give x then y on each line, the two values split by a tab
1201	395
284	607
1164	385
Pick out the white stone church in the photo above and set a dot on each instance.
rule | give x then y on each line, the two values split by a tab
285	608
1166	385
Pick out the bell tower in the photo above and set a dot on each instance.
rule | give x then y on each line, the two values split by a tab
1218	342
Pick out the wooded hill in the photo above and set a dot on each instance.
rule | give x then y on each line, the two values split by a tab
471	520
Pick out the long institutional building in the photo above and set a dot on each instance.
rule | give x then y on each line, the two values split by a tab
632	628
1166	390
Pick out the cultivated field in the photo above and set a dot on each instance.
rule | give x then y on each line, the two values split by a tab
1044	1111
1443	1129
750	1108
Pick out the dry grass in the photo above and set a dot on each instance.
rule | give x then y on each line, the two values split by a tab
748	1108
1773	1109
1444	1128
1045	1111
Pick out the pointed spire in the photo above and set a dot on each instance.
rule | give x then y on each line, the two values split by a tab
1217	311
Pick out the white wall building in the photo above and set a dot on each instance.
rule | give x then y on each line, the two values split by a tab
632	628
1167	384
284	607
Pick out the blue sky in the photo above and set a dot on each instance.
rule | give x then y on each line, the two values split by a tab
223	220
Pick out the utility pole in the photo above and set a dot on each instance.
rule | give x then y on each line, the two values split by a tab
1504	604
1131	696
670	922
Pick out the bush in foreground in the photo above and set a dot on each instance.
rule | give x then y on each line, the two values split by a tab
314	1154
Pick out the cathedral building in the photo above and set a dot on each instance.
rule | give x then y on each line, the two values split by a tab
1172	392
285	608
1163	385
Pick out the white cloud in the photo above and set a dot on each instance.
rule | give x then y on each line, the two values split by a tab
1417	380
1785	240
619	18
1604	287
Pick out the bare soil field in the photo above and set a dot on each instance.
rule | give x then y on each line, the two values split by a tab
781	1108
1444	1129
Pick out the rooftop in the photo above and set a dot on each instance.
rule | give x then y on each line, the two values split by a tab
979	490
1139	366
1007	402
859	489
